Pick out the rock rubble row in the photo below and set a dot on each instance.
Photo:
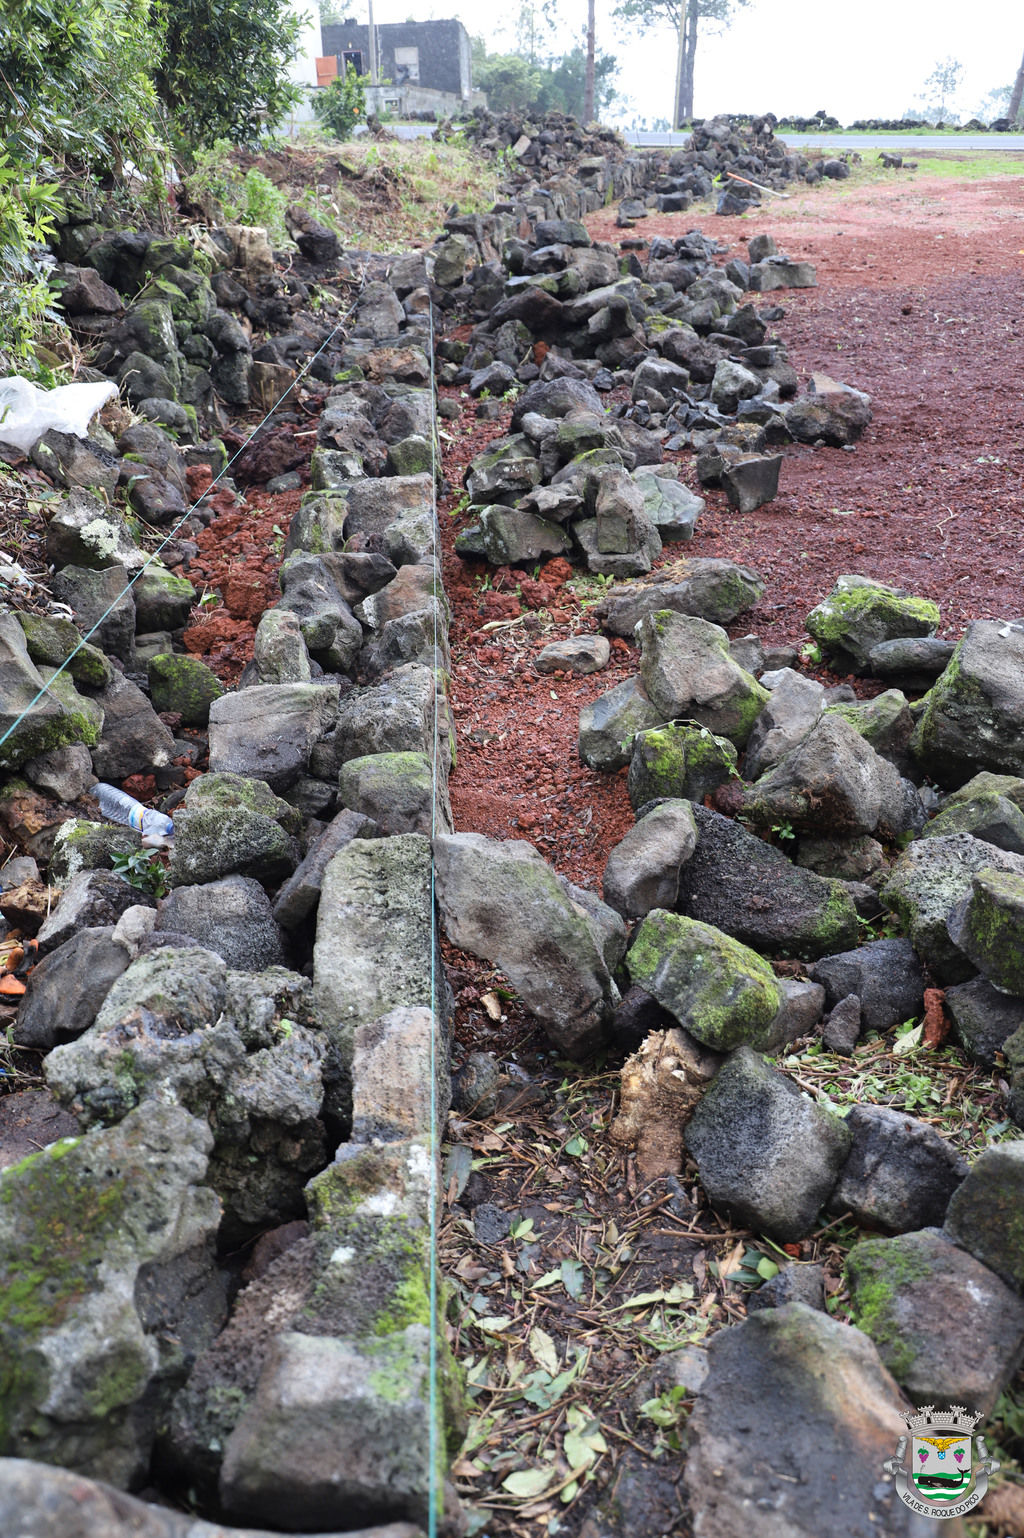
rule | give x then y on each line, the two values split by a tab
265	1050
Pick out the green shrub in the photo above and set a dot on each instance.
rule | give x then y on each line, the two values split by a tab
342	104
27	210
224	70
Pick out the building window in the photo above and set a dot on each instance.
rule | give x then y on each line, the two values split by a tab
407	66
353	56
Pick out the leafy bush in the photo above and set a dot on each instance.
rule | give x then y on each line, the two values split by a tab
224	68
27	210
142	870
75	82
75	95
342	104
216	185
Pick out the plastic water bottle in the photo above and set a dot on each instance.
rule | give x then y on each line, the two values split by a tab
116	806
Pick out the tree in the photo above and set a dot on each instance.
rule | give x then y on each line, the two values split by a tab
342	104
686	18
508	80
588	89
511	81
941	86
224	73
1015	111
994	104
75	96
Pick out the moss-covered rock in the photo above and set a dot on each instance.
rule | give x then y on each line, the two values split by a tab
83	531
946	1328
507	466
680	759
183	684
988	926
162	600
230	824
720	991
396	789
85	714
884	722
84	1371
972	716
859	614
687	671
81	845
54	641
354	1291
993	818
986	1213
927	883
39	710
414	455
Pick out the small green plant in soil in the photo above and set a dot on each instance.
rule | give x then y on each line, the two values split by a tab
142	870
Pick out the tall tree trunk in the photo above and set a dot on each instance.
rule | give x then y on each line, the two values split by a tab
687	50
588	85
1015	115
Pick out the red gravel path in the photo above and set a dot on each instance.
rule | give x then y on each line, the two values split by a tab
920	303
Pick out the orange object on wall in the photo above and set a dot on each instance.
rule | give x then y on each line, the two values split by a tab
327	69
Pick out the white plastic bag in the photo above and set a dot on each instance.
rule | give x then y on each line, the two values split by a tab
26	412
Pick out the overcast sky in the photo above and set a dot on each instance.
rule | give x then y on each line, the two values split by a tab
868	59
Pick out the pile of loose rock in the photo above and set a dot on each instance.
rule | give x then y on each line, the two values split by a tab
263	1051
558	158
698	905
577	478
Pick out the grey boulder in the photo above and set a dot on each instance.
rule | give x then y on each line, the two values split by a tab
713	590
885	975
231	917
796	1406
41	1502
502	902
609	725
791	710
67	987
973	715
92	899
686	670
269	731
949	1330
925	885
834	780
642	870
739	883
766	1155
984	1213
900	1173
120	1225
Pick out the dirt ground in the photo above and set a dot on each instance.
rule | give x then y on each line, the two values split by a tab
920	302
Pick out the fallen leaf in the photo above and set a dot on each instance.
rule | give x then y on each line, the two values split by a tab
528	1483
492	1004
682	1292
571	1273
543	1350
